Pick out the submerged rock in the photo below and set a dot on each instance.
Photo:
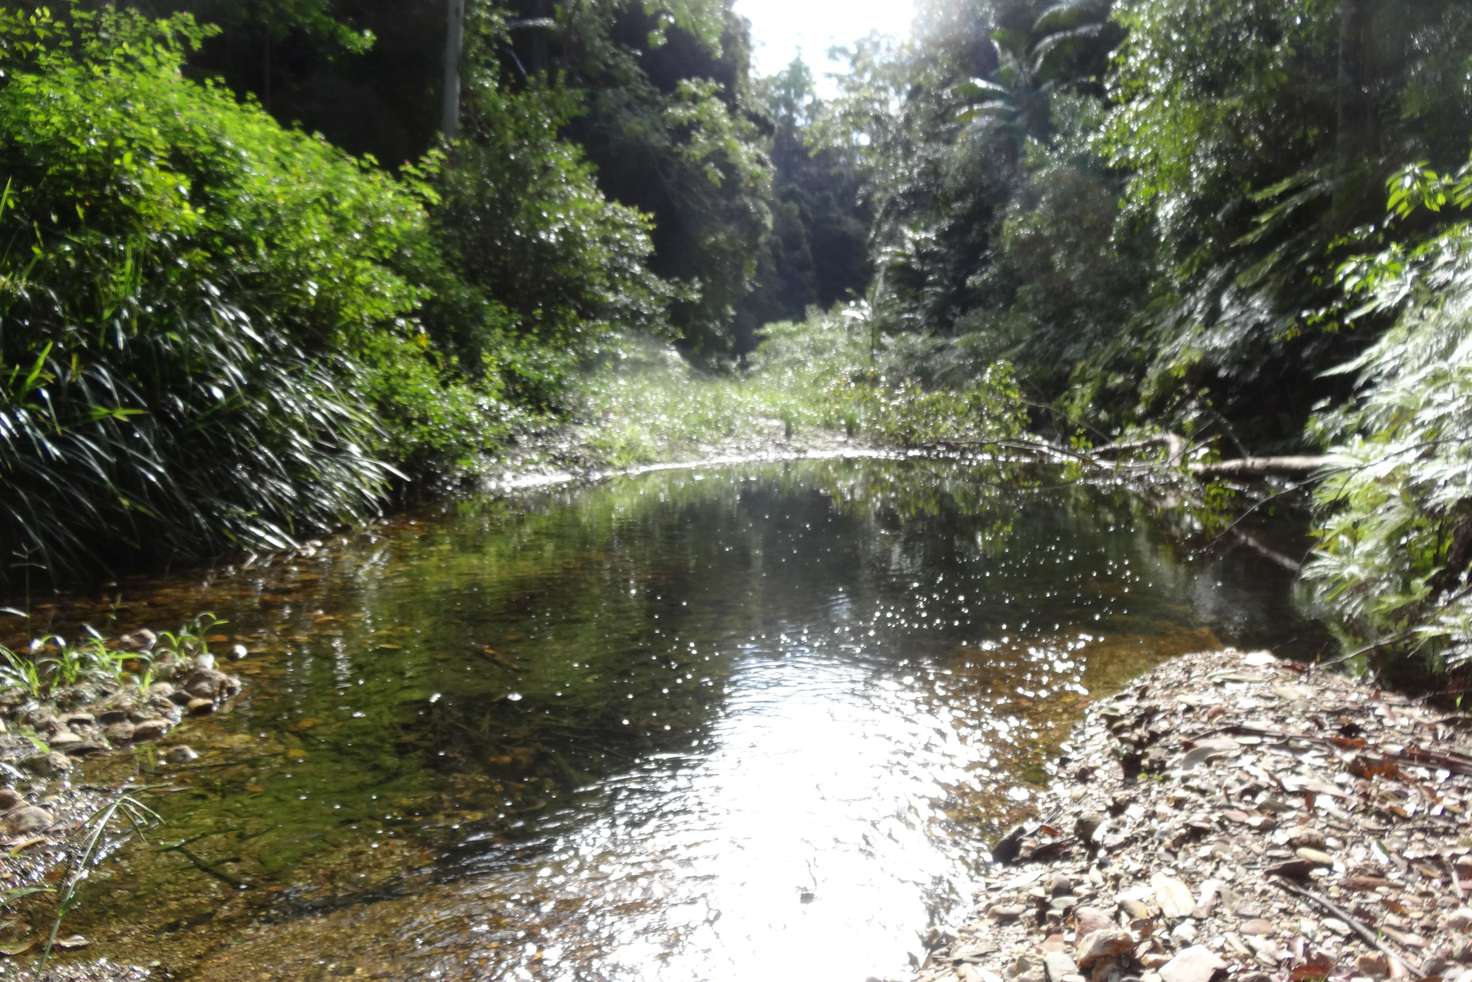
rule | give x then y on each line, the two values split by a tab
182	754
51	764
206	683
119	732
150	729
28	820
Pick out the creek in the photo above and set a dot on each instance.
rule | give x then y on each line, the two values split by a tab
749	722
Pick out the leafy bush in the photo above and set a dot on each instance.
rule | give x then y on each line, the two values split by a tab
186	294
520	217
1395	542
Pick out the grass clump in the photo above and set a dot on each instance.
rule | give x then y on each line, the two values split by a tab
52	663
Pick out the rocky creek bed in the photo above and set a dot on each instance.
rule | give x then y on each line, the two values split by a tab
1228	815
47	817
1234	816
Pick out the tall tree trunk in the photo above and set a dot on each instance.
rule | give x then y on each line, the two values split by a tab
454	46
1355	143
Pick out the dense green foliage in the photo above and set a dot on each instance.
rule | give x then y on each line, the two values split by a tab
185	286
1143	205
1395	548
217	330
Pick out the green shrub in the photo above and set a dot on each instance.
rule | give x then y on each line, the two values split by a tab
1395	536
187	291
520	216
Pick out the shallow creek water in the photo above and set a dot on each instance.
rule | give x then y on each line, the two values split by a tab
749	722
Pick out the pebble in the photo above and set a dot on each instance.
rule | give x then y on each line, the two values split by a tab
200	707
1195	964
150	729
120	732
1173	896
1087	824
1058	966
1109	942
1305	837
51	764
1091	919
28	820
9	798
182	754
206	683
140	640
1372	966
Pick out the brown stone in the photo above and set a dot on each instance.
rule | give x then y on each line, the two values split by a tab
119	732
1373	966
1108	943
28	820
150	729
1091	919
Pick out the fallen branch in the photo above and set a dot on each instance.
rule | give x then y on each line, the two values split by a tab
1354	923
1266	466
1261	548
1175	445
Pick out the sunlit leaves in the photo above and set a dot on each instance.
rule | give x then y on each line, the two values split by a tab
1396	527
183	317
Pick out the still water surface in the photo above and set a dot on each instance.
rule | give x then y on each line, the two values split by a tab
752	722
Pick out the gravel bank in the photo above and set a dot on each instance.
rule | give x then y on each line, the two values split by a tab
1234	816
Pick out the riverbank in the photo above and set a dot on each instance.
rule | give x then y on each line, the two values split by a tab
1237	816
108	696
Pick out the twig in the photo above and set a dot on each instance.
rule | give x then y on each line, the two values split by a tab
1384	642
208	868
1354	923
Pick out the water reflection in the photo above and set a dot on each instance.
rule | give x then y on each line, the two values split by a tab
752	722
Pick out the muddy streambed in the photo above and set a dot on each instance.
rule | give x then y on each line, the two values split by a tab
738	723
